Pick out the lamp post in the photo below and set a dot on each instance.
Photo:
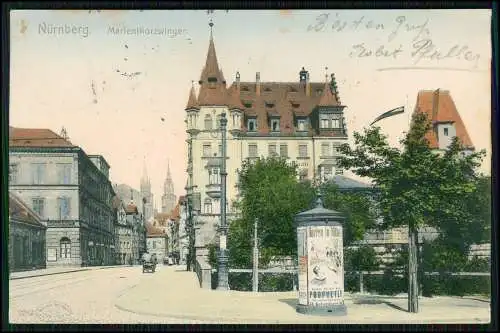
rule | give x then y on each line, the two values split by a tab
223	258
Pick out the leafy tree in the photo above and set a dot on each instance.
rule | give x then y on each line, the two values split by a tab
271	193
357	208
363	258
416	186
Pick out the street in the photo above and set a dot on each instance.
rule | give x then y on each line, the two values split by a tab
171	295
85	297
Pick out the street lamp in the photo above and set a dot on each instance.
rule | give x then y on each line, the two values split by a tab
223	257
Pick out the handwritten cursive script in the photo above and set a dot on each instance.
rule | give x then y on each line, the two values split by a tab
402	25
426	49
339	24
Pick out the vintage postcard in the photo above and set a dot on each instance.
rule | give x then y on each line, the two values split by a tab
264	166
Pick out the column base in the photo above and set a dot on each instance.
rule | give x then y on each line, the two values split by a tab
328	310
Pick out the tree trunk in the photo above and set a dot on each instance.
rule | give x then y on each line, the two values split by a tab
412	270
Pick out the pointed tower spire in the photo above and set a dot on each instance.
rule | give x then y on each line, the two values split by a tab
327	98
212	82
169	175
192	103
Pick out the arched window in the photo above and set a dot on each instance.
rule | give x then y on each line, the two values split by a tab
208	206
208	122
65	248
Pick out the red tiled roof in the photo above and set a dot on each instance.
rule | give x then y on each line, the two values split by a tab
131	209
192	102
36	137
284	99
18	210
153	231
439	107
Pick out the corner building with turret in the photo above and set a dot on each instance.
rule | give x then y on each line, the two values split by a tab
302	121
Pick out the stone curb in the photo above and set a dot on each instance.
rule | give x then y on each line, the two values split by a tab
63	272
336	321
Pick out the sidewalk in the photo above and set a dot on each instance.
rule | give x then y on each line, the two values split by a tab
173	292
55	270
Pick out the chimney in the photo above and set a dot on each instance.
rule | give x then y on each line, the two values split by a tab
257	84
308	85
238	80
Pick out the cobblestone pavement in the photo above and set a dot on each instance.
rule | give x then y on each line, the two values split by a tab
84	297
171	295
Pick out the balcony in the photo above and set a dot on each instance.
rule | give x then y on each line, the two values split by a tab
213	191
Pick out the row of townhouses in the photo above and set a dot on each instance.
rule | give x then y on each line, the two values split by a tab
302	121
64	194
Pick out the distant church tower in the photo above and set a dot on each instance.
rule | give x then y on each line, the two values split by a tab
168	199
146	193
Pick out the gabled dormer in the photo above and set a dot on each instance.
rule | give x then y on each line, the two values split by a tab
273	116
329	115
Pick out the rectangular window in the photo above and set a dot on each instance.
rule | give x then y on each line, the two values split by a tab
325	147
446	132
324	121
252	125
336	123
64	173
220	151
208	122
283	150
275	125
272	149
339	171
252	151
301	124
302	150
335	149
207	150
64	208
38	170
328	170
39	206
13	173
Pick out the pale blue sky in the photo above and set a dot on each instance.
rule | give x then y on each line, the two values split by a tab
52	75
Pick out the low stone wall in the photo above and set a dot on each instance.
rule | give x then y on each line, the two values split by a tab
204	272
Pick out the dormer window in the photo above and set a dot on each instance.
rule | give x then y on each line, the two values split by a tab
445	131
267	89
301	124
252	125
295	105
211	82
275	125
244	88
269	105
324	121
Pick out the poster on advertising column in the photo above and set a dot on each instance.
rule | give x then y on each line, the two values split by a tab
325	265
302	254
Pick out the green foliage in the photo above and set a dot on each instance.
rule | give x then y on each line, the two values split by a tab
212	254
415	185
363	258
356	207
271	193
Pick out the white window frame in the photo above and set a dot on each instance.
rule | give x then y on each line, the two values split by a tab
283	150
254	122
325	148
207	150
301	124
208	122
303	150
272	149
252	146
275	125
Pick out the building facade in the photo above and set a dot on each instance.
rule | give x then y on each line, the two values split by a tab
157	242
27	236
123	234
168	199
69	190
302	121
183	230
